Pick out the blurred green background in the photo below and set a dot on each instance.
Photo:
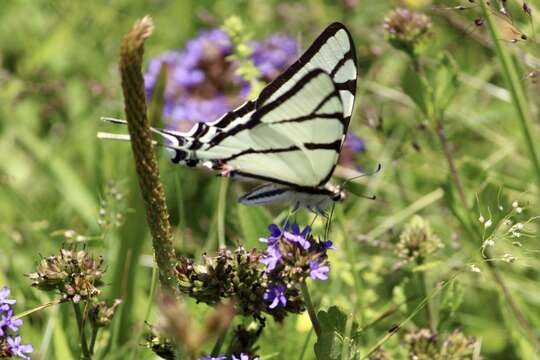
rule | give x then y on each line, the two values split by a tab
58	76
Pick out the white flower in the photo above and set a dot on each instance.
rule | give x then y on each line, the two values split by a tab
488	243
488	223
509	258
515	204
516	234
519	226
519	210
475	268
481	219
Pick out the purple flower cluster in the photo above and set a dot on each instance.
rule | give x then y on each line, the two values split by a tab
353	145
273	55
242	356
10	341
201	81
291	256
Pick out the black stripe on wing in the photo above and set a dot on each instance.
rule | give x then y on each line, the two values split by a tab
306	58
255	119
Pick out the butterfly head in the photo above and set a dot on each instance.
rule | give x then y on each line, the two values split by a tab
337	193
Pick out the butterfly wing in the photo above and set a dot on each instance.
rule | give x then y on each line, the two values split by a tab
292	134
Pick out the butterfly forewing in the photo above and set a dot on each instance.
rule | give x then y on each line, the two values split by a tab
293	132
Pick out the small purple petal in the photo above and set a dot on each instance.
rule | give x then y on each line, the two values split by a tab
318	272
276	295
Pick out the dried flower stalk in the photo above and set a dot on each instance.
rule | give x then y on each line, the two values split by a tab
131	57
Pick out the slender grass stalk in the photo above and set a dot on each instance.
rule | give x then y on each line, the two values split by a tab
441	134
516	91
519	102
131	57
305	346
216	350
85	354
151	296
38	308
222	205
93	338
424	294
311	309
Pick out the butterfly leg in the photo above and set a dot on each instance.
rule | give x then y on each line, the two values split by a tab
313	221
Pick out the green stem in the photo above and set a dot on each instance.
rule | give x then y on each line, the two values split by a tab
95	330
80	324
311	309
516	90
424	294
451	163
219	342
222	203
520	105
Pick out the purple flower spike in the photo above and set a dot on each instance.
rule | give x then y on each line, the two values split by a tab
355	143
274	54
272	258
18	349
299	237
276	294
244	357
275	235
202	83
318	272
8	323
5	304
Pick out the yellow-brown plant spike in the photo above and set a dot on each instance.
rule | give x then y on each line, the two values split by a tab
131	57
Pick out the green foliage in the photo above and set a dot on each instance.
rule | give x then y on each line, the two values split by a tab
58	68
338	335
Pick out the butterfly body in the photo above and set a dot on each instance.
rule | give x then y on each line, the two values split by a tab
290	137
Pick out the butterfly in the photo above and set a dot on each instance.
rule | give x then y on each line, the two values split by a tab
290	137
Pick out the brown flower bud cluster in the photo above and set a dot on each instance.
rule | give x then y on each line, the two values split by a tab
405	29
101	315
239	276
426	345
77	275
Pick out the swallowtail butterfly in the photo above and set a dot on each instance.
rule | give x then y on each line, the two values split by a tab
290	137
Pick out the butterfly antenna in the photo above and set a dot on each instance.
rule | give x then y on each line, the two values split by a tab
377	169
368	197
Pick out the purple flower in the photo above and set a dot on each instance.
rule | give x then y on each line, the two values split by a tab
275	235
318	272
272	257
274	55
18	349
5	304
201	80
275	295
243	356
299	237
8	323
354	143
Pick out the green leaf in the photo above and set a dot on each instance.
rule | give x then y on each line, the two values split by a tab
427	266
445	83
452	299
418	89
333	334
61	347
254	221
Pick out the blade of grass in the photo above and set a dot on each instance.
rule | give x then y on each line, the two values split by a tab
517	93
